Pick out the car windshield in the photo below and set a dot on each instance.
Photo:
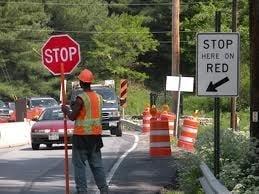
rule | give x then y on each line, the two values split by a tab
106	93
47	102
2	104
51	114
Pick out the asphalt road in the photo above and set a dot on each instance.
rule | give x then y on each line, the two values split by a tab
128	167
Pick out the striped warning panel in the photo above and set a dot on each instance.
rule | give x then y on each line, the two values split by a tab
123	92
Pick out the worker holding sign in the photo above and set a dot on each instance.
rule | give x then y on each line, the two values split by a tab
87	141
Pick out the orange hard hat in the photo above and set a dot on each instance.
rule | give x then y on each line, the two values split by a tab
86	76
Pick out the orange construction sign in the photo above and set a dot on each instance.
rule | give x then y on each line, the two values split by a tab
123	92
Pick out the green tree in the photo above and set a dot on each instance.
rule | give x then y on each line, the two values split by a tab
77	18
158	18
22	30
119	43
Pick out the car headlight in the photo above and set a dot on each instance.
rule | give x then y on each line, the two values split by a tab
68	130
41	130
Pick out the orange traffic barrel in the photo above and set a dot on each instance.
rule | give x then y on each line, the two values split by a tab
159	138
188	134
171	119
146	121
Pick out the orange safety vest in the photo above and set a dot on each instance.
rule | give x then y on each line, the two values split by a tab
88	122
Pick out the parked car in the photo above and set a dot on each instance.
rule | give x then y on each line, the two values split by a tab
49	128
5	111
35	106
33	102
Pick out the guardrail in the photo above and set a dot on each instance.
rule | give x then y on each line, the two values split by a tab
130	125
209	182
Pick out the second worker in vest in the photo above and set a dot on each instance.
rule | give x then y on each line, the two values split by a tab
86	140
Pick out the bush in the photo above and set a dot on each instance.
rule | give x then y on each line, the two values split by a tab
137	99
238	160
188	173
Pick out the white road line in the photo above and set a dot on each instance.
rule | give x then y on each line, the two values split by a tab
117	164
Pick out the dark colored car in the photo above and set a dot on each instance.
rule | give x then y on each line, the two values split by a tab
49	128
110	110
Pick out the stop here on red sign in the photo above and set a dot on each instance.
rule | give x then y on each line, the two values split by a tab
60	49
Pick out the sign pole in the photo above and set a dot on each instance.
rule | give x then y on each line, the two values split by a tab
178	107
217	115
65	127
60	55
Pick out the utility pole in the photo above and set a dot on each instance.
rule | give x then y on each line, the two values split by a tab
233	121
175	46
254	69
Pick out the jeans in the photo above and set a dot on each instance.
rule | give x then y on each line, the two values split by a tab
94	158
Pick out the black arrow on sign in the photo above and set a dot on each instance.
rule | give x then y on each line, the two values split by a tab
212	87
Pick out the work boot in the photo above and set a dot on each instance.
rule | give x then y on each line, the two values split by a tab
104	190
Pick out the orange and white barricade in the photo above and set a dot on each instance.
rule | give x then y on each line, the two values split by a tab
171	119
146	121
188	134
159	138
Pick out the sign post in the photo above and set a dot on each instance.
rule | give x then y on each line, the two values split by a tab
179	84
217	69
60	55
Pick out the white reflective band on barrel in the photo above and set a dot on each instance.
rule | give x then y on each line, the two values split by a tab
171	124
146	118
190	130
171	132
160	144
187	139
159	132
145	125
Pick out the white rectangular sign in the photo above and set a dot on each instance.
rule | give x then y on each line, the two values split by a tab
172	83
217	64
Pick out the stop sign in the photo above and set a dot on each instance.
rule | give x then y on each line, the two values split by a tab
60	49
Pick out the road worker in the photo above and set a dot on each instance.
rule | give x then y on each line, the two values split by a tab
86	140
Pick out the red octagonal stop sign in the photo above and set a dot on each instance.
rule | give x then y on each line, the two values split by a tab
60	49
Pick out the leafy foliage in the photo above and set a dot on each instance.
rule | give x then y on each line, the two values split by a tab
238	159
78	19
18	40
118	47
137	99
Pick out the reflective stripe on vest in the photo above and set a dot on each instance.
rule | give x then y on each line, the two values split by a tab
88	122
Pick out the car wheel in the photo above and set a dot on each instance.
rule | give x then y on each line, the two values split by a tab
35	146
113	131
49	145
118	131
